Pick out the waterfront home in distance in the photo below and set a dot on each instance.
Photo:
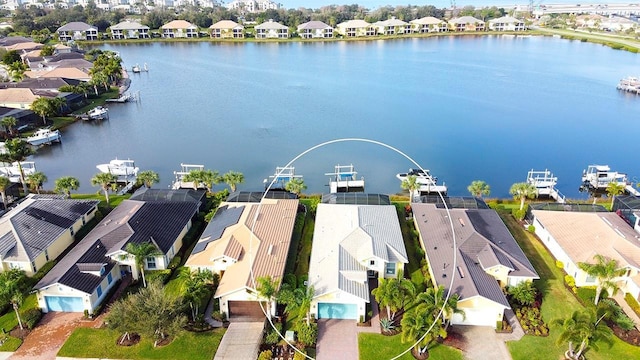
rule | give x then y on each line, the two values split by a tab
573	237
315	30
129	30
507	23
487	257
81	280
242	237
227	29
355	28
428	24
77	30
271	30
392	26
24	46
59	72
354	239
252	6
179	29
466	23
19	98
39	229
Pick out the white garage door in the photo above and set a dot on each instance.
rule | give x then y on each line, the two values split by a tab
476	317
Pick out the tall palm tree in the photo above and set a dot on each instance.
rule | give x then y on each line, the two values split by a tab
297	301
43	107
16	71
36	180
478	188
410	184
5	183
17	151
58	104
207	177
148	178
267	287
12	287
295	185
614	189
417	328
9	122
522	191
435	298
394	294
141	252
194	287
584	328
233	178
65	184
106	181
604	270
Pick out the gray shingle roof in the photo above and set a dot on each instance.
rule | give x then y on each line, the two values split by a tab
76	26
313	25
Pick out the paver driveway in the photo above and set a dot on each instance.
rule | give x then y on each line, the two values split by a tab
337	339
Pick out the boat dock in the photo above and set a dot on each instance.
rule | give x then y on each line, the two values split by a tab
179	182
281	177
129	184
545	183
629	84
344	179
126	97
632	190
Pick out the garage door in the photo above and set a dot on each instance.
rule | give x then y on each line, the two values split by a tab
245	310
337	311
64	303
476	317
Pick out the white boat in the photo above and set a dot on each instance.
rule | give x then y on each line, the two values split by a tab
428	183
136	68
44	136
98	113
630	84
119	168
344	179
13	172
598	177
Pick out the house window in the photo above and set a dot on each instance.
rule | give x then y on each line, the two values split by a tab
590	279
84	221
99	290
151	262
33	266
372	262
109	278
46	254
71	230
391	268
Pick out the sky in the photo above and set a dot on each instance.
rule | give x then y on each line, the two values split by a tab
374	4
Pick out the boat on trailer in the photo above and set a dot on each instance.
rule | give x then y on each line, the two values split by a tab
344	179
428	183
44	136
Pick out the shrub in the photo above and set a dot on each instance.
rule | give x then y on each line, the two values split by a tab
559	264
219	315
272	336
499	325
265	355
307	334
31	317
301	280
158	275
175	262
291	280
633	303
518	213
386	325
570	281
531	229
300	355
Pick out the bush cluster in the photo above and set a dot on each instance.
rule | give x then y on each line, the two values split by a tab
272	336
531	320
633	303
158	275
31	317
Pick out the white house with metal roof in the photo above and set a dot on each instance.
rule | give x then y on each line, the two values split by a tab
271	30
350	244
392	26
77	30
507	23
39	229
315	30
466	23
355	28
484	259
428	24
129	30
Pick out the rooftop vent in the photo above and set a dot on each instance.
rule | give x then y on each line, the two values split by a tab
270	250
461	222
460	272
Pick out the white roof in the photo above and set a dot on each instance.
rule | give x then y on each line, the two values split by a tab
429	20
271	25
311	25
354	24
391	22
466	20
506	19
129	25
345	238
226	24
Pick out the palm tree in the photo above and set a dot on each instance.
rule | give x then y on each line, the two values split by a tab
298	301
43	107
141	252
148	178
58	104
8	122
267	288
16	71
584	328
12	286
5	183
522	191
417	328
106	181
394	294
65	184
194	287
36	180
524	293
435	298
478	188
410	184
614	189
233	178
207	177
17	151
604	270
295	185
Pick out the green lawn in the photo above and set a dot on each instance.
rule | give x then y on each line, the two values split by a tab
558	303
304	253
101	343
8	321
376	346
114	200
11	344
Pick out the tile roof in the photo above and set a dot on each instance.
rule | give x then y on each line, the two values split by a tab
312	25
482	241
30	228
76	26
226	24
25	46
17	95
506	19
466	20
70	73
428	20
269	25
129	25
354	24
391	22
179	24
40	83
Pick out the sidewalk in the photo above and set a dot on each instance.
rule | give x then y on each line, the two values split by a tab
208	312
619	298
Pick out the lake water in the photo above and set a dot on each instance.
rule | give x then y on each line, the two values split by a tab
466	108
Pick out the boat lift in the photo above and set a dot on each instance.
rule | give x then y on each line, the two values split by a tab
545	183
282	176
344	179
185	169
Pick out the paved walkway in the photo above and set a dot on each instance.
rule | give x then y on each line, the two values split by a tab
482	343
337	339
241	341
627	309
207	314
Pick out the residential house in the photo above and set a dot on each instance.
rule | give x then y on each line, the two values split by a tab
628	207
242	242
81	280
12	40
252	6
351	244
17	98
179	29
428	24
24	46
59	72
77	30
507	23
227	29
24	117
479	264
392	26
466	23
355	28
129	30
315	30
576	237
48	84
271	30
39	229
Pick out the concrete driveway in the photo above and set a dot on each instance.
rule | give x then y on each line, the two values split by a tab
241	341
482	343
337	339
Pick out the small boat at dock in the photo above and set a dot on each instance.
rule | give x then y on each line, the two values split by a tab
98	113
12	171
428	183
185	169
44	136
120	168
629	84
596	178
344	179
